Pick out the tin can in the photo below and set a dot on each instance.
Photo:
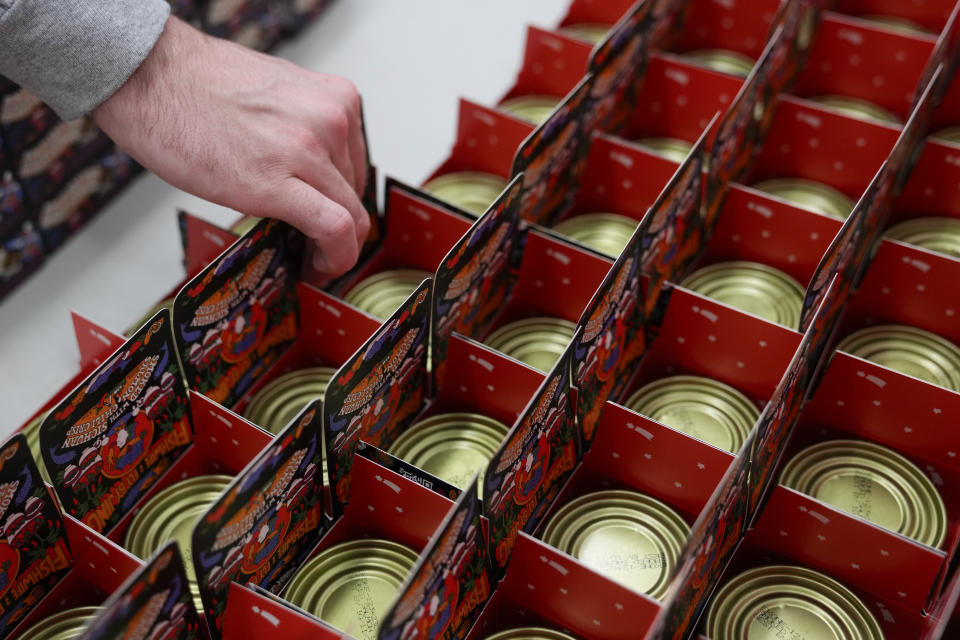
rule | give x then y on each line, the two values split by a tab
171	514
910	351
586	31
451	446
810	195
671	148
31	431
872	482
722	60
530	633
949	134
857	108
532	108
64	625
940	234
606	233
472	191
244	224
896	23
752	287
629	537
352	585
382	293
703	408
538	342
280	400
164	305
783	601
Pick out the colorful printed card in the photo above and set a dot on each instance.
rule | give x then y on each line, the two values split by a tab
33	552
612	341
154	603
378	391
553	157
533	463
447	589
474	280
269	519
235	318
112	438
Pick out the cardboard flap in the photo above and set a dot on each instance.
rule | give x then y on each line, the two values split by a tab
389	505
888	407
252	613
34	555
554	585
656	459
617	66
451	582
95	342
269	519
852	550
744	25
931	14
533	462
552	158
946	53
424	231
552	65
852	58
673	230
778	418
612	339
331	328
237	316
202	241
487	140
678	99
592	12
155	602
474	279
98	561
377	391
109	440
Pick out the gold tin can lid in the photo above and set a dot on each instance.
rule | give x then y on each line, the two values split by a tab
451	446
587	31
809	194
382	293
671	148
940	234
872	482
172	514
538	342
32	432
279	401
163	305
244	224
64	625
472	191
530	633
352	585
857	108
751	287
949	134
629	537
910	351
777	601
722	60
532	108
703	408
607	233
896	23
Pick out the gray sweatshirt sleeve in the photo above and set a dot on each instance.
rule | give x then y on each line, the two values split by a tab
74	54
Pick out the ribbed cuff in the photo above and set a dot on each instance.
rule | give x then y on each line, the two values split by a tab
74	54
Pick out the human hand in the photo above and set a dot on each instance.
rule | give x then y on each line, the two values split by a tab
249	131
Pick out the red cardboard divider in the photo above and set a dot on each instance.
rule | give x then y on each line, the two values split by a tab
202	241
743	26
552	65
931	14
593	12
253	614
543	587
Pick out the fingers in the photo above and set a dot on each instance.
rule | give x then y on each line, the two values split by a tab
329	224
358	153
326	179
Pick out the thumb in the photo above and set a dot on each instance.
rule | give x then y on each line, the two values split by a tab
328	224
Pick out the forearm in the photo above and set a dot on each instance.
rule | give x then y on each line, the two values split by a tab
74	54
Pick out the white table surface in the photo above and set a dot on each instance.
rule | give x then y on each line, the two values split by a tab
411	61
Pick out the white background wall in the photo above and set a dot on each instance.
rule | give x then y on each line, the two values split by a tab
411	61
